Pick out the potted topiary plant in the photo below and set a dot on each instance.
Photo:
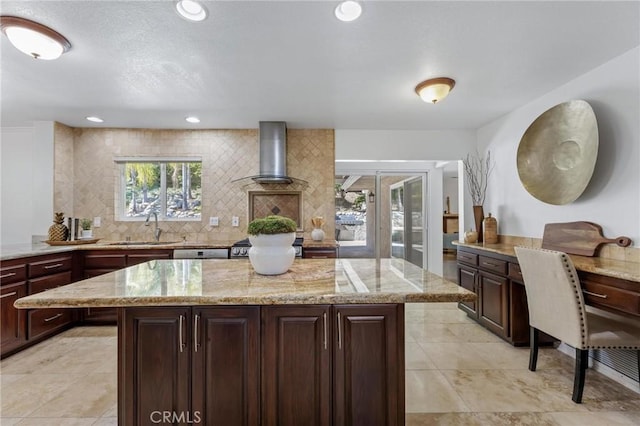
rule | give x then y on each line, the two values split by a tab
85	224
271	239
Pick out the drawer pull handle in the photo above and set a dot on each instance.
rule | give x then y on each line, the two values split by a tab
490	264
10	274
57	265
195	332
53	317
13	293
601	296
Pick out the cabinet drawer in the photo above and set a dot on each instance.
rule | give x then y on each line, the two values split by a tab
52	281
43	321
13	274
493	265
50	266
105	261
514	272
602	295
468	258
319	253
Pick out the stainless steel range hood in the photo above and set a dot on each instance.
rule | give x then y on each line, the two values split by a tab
273	153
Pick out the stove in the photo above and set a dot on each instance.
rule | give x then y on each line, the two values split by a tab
240	249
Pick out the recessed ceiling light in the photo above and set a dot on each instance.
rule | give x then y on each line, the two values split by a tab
192	119
95	119
348	11
34	39
191	10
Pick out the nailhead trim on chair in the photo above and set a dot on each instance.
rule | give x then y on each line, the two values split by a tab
577	289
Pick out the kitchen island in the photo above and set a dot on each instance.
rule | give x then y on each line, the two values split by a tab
204	341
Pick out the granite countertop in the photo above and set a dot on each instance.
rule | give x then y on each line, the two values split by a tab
319	244
15	251
622	269
234	282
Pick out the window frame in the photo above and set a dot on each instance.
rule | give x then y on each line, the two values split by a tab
121	187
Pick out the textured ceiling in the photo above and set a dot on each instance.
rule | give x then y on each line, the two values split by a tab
138	64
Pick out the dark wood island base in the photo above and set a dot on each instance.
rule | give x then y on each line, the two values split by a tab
262	365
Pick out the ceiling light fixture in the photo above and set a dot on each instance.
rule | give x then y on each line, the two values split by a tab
348	11
95	119
191	10
436	89
34	39
192	119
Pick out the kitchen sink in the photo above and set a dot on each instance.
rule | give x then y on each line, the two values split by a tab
142	243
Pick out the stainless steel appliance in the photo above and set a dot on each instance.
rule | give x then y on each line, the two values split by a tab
241	248
217	253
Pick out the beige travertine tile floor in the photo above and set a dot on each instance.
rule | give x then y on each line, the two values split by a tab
457	373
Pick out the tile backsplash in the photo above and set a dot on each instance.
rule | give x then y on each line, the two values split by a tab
86	177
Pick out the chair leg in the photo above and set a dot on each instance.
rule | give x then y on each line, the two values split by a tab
533	343
582	362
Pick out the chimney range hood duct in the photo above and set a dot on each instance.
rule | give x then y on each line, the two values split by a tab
273	153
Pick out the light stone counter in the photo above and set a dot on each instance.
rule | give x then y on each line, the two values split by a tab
622	269
234	282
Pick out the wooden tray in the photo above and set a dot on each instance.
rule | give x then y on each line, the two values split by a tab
72	243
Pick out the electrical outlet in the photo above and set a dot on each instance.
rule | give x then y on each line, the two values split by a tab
235	221
96	221
213	221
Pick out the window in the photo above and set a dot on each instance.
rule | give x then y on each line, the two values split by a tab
172	188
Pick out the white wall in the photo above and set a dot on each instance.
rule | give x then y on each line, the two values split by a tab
612	198
27	182
404	144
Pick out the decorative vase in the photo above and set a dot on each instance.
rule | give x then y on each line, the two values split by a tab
317	234
272	254
87	233
490	226
478	216
470	236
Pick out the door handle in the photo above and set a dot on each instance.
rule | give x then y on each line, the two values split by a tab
181	344
324	319
196	338
339	331
13	293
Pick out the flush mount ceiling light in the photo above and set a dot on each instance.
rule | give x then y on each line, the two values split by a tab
191	10
192	119
34	39
436	89
95	119
348	11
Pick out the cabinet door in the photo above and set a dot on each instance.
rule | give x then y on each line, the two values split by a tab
155	358
226	365
296	365
12	321
494	303
467	280
369	365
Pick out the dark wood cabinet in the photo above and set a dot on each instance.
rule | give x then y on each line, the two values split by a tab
13	332
226	365
262	365
320	252
296	365
467	279
369	365
47	272
99	262
199	364
493	311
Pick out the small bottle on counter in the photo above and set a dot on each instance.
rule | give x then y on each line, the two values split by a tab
490	227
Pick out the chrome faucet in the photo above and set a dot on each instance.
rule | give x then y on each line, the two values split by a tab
157	231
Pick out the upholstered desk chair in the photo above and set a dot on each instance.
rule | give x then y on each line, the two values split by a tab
556	307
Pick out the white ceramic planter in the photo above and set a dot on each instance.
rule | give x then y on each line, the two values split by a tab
317	234
272	254
87	233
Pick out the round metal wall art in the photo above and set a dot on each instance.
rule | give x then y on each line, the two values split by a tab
557	153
